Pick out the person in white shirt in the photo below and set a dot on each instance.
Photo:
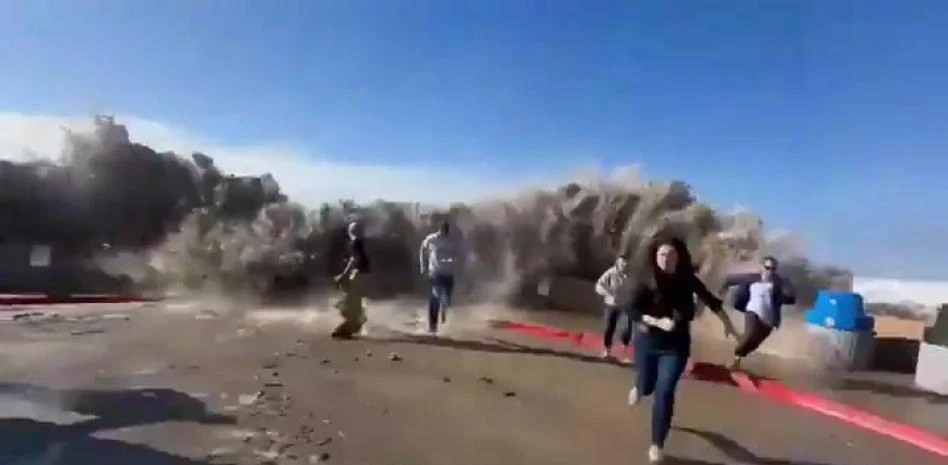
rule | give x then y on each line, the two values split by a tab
441	256
615	287
760	296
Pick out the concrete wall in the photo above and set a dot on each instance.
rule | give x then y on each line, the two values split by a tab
23	270
932	374
18	274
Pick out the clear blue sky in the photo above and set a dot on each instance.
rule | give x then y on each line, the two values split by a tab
829	117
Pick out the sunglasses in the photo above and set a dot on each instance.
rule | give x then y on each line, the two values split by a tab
770	267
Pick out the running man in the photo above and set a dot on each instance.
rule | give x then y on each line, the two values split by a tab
760	296
615	287
352	284
440	256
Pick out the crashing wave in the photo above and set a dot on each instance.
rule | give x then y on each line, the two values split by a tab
174	222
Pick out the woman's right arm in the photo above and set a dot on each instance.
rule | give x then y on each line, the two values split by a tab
641	297
642	300
716	305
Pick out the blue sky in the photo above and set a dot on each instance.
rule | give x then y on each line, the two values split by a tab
830	118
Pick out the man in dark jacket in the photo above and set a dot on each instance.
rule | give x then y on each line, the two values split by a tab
759	296
352	284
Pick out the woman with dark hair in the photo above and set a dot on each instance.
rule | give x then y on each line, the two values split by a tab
663	305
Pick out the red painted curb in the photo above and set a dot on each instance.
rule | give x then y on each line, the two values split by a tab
8	300
768	388
777	391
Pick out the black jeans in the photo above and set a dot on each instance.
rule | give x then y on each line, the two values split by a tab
755	333
659	368
611	317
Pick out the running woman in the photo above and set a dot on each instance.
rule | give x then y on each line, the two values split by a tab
663	304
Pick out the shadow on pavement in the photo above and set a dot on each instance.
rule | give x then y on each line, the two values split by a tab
25	441
493	345
736	453
703	371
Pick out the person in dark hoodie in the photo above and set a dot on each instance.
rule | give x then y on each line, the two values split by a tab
352	284
663	305
760	297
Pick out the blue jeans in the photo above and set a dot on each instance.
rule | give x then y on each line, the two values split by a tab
611	317
439	299
659	367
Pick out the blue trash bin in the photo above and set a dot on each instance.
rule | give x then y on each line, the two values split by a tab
842	311
839	333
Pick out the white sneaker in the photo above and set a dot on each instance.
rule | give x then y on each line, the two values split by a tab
605	354
655	454
633	397
627	359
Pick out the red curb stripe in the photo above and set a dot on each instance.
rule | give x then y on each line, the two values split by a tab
768	388
863	419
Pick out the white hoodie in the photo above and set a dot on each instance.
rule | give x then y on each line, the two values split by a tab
615	287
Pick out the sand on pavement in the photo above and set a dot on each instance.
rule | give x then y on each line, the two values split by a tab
156	385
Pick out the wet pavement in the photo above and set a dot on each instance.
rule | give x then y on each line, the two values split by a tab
193	387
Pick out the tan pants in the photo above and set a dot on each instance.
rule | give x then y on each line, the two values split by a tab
350	306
